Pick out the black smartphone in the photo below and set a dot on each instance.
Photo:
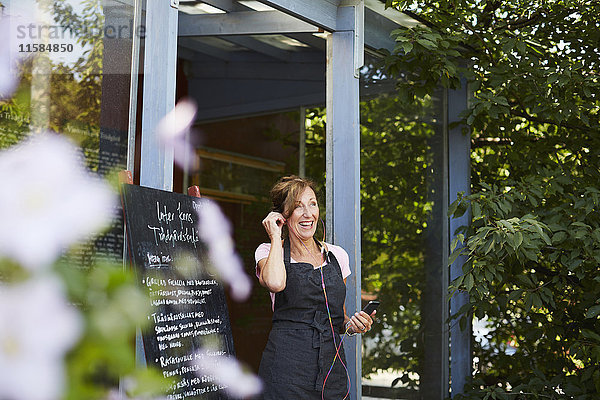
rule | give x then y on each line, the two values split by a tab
371	306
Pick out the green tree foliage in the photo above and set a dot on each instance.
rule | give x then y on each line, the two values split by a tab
533	247
396	205
75	89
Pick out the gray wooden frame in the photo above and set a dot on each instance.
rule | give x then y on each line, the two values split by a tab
160	64
459	181
343	177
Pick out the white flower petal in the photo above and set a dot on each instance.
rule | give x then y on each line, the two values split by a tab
177	122
37	328
228	372
49	201
12	41
215	230
172	132
8	79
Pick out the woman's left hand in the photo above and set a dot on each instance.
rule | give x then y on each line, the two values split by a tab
361	322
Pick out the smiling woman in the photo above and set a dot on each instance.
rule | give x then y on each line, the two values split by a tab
306	278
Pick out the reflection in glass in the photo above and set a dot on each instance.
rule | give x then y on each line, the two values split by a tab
74	70
76	63
401	202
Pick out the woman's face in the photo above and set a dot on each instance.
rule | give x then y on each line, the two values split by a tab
302	220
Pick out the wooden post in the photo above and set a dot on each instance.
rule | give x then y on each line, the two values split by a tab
160	60
343	167
125	176
194	191
459	181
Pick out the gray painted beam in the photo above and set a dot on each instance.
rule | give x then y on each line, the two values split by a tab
227	5
235	98
343	178
204	48
259	107
460	174
321	13
259	71
310	39
187	54
434	309
260	47
160	59
241	23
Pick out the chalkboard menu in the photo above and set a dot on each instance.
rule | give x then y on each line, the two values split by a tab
189	320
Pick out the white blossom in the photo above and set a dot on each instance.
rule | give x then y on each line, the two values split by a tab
37	327
229	373
173	131
215	230
48	200
13	45
116	394
8	77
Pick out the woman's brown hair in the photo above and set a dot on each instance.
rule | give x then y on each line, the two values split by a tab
287	190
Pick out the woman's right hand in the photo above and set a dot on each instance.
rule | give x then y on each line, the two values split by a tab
273	224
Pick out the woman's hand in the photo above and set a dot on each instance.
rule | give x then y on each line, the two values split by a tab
360	322
273	224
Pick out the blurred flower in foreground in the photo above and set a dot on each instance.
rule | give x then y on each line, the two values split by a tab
120	395
8	79
173	132
229	373
37	327
215	230
49	200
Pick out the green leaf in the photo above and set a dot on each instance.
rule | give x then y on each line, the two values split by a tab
515	294
452	207
559	237
593	311
588	334
469	281
530	254
501	100
528	302
428	44
518	239
476	209
455	254
507	225
490	246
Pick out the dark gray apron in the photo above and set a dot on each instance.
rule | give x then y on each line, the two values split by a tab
300	349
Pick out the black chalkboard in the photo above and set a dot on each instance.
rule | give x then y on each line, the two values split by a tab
189	310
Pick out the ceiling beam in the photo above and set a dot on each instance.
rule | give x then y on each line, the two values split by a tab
204	48
241	23
309	39
321	13
260	47
258	71
227	5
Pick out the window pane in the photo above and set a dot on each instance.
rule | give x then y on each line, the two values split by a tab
73	64
402	197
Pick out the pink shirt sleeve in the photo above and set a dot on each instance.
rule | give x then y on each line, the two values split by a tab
261	252
342	258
